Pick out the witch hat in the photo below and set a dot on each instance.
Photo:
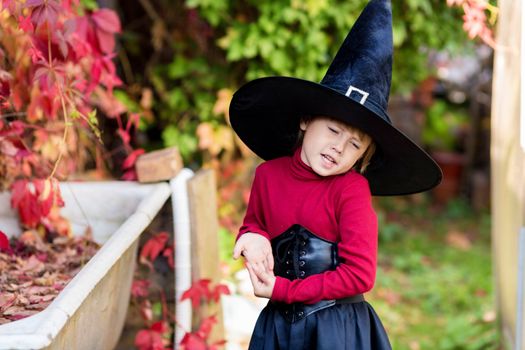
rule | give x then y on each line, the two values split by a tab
266	112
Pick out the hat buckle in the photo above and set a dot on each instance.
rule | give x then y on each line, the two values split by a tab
364	94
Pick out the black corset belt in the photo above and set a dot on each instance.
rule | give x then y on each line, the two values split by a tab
298	253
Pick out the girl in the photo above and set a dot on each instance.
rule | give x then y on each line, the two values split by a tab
309	236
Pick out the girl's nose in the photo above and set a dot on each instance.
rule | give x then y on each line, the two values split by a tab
338	146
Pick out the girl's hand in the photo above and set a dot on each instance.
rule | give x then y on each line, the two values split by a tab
256	249
263	280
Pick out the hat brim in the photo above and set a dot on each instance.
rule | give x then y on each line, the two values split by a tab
265	113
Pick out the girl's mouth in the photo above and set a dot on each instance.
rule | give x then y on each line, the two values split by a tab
328	158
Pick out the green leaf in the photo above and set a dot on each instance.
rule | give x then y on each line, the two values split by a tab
89	4
178	68
128	101
74	114
399	33
177	100
185	142
92	117
265	47
280	62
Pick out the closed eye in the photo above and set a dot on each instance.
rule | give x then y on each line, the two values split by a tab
333	130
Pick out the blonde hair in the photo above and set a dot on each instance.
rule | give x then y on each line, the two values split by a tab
365	159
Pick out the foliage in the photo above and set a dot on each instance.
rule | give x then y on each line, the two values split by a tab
201	51
56	72
200	293
433	289
195	53
38	202
153	338
149	298
155	246
475	21
446	126
158	323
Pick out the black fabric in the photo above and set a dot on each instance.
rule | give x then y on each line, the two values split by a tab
298	253
347	324
297	311
265	112
353	326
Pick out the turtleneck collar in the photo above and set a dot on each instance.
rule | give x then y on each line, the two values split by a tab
300	170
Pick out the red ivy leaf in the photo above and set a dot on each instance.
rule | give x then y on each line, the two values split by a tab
109	76
129	175
34	199
5	85
133	120
25	24
10	5
35	54
31	3
218	291
160	327
24	200
217	345
206	327
198	290
62	41
168	254
107	20
130	160
149	340
16	128
193	342
44	11
106	25
139	288
45	197
4	242
153	247
124	135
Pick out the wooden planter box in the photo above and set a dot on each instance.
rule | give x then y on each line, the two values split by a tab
90	312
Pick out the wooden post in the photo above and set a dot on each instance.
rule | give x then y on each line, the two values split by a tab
158	165
202	194
508	165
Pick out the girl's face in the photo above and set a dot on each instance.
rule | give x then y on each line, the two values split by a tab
331	147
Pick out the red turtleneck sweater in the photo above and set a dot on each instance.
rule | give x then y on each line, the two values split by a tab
338	208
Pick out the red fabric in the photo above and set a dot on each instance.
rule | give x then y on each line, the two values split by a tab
286	191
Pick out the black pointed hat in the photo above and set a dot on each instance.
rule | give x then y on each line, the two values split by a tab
265	112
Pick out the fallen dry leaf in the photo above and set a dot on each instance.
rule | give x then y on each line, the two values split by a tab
35	271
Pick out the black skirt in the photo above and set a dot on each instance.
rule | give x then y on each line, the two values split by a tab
353	326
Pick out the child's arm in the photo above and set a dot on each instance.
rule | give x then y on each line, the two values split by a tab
253	242
256	249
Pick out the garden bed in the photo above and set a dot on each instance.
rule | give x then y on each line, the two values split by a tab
35	270
90	311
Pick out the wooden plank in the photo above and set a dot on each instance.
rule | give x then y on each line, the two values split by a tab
158	165
202	192
507	165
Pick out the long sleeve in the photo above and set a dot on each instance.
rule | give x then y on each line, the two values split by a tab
357	249
254	220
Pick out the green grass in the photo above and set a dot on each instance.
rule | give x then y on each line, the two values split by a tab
434	287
